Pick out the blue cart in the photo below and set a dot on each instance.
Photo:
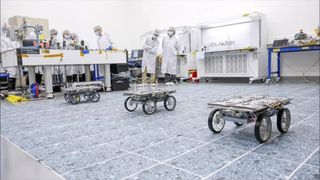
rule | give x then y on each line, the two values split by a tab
280	50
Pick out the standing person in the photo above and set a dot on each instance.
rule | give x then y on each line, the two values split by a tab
53	44
66	44
170	50
104	43
38	69
78	69
7	44
150	49
86	68
53	41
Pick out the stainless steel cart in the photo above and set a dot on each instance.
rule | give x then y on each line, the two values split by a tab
149	96
258	109
87	89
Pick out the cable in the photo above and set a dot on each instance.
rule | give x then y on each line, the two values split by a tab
303	72
273	79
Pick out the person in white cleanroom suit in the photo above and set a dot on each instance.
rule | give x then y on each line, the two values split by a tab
6	45
39	69
53	44
170	49
66	44
53	41
103	43
150	49
78	69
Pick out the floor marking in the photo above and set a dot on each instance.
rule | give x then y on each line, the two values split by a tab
233	161
303	100
300	165
194	140
165	161
280	159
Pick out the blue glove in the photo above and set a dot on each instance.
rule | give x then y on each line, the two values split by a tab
85	51
109	48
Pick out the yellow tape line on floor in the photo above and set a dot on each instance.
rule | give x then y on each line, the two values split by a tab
53	55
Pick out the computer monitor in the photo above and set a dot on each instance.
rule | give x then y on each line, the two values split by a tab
28	42
136	53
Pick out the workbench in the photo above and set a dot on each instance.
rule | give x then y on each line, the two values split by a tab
280	50
31	57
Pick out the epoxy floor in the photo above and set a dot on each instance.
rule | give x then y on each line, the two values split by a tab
104	141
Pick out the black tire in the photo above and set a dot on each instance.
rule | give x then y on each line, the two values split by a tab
283	120
95	97
263	128
66	97
129	105
87	96
74	99
149	107
170	103
216	125
238	124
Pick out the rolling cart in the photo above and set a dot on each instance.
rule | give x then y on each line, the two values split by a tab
258	109
87	89
149	95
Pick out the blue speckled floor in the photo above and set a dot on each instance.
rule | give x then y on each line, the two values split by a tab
104	141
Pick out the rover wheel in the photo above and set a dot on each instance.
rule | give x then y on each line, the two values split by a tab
215	121
87	96
66	97
129	105
74	98
149	107
95	97
283	120
170	103
263	128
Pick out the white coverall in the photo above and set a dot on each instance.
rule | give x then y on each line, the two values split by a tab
150	49
103	43
69	68
7	44
32	35
170	49
53	45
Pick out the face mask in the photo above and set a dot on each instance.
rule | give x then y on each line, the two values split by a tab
67	36
170	33
98	33
154	37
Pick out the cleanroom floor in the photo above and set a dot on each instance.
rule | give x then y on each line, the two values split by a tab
104	141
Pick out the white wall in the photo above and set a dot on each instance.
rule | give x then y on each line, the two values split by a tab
126	20
284	19
77	16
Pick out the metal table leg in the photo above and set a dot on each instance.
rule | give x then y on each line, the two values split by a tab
31	74
48	81
88	73
278	60
269	66
107	77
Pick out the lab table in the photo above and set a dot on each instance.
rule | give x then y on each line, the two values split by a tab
280	50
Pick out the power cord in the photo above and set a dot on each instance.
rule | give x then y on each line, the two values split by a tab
303	72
